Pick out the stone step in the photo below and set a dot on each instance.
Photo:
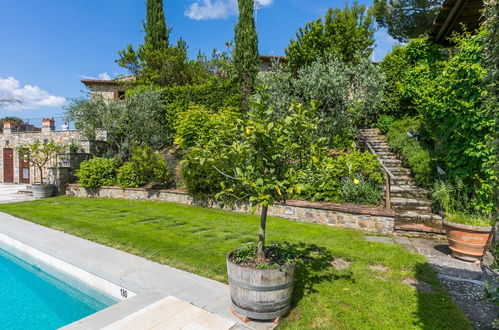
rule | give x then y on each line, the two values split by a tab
25	192
419	227
399	171
410	201
417	216
392	162
408	191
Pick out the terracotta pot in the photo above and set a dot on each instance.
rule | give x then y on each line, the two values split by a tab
467	242
260	294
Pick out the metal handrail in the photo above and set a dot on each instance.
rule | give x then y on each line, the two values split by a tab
388	176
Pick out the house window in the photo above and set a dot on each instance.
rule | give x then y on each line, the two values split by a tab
119	95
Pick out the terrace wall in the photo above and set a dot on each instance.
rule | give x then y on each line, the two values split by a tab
351	216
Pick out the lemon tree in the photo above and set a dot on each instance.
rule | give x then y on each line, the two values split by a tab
266	158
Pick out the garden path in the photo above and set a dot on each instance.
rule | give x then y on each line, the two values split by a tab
464	281
9	193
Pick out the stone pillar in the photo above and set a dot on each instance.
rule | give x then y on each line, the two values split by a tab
48	125
8	127
59	177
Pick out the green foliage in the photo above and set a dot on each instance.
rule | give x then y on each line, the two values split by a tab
39	154
17	120
97	172
361	191
453	197
459	122
384	123
345	96
213	94
145	166
162	67
137	120
322	180
246	59
155	25
279	255
347	34
412	151
406	19
199	127
406	69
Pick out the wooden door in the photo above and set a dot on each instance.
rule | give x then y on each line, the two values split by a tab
8	165
23	169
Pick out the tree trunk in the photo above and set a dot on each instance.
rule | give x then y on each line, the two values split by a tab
261	237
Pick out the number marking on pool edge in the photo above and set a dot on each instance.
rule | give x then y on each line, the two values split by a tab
124	293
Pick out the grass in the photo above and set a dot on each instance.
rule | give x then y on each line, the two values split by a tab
196	239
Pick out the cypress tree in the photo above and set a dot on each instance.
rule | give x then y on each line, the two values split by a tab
155	25
246	60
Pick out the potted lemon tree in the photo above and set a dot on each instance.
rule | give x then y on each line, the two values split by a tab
262	167
39	154
469	233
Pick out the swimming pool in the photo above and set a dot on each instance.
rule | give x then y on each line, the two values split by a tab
34	299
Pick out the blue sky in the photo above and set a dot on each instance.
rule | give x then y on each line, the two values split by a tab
48	46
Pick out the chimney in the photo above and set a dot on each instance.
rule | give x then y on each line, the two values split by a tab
48	125
9	126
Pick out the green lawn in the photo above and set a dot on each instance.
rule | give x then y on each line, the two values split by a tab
197	240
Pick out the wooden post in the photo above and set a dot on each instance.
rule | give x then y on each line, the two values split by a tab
388	198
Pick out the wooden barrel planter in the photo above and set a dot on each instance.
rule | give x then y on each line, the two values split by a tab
260	294
467	242
42	190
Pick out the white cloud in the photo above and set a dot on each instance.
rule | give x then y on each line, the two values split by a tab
100	76
212	9
31	97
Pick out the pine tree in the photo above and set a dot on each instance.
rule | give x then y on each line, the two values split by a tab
155	25
245	55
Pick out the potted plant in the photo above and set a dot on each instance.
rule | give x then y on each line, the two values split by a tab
468	232
39	154
261	167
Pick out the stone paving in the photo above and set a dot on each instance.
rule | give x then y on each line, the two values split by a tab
9	193
464	281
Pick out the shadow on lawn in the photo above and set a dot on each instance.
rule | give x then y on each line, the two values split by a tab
436	309
315	267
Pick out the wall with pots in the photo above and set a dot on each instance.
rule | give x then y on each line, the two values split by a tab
351	216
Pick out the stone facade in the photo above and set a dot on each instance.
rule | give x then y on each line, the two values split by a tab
13	170
369	219
109	90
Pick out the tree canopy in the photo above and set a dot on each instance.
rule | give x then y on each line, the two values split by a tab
346	33
406	19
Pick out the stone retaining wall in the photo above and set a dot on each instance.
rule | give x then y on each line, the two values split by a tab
351	216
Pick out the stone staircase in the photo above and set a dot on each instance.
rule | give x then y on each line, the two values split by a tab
409	201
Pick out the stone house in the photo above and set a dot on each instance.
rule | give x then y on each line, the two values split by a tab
14	169
110	90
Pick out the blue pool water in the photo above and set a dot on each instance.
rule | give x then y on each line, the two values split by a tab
32	299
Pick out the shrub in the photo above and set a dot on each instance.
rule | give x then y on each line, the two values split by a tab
413	153
323	182
384	122
97	172
360	191
199	126
145	166
213	95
